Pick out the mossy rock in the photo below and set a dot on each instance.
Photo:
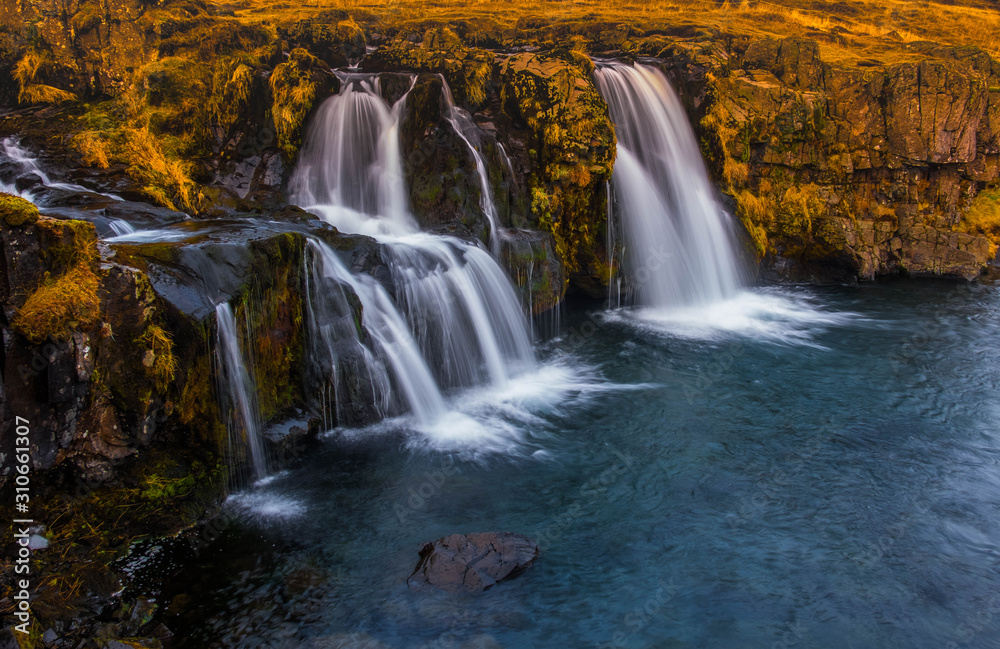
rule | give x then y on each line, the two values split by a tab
297	85
67	299
16	211
469	71
332	36
440	171
273	303
572	151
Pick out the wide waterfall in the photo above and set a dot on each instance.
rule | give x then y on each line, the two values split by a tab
678	245
456	321
238	385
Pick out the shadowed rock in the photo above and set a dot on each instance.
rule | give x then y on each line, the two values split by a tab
473	562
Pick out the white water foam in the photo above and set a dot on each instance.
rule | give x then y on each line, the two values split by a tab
774	315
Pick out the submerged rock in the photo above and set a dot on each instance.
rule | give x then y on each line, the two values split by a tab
473	562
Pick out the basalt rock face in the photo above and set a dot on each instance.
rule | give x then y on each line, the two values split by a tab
843	173
837	169
568	142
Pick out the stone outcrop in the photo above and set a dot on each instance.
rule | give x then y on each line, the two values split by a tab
843	173
567	143
473	562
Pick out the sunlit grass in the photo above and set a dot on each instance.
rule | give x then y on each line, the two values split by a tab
846	29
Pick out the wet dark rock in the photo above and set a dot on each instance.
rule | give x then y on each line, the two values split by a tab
27	181
9	171
534	267
440	171
7	639
473	562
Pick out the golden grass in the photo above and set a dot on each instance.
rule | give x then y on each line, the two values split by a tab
867	28
93	148
754	211
983	218
30	90
294	92
160	361
59	306
159	171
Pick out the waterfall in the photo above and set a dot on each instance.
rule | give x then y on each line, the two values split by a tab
353	384
466	129
239	387
463	309
387	328
121	228
350	169
679	245
456	321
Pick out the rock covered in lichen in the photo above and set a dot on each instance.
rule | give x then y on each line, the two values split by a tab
332	35
855	172
571	150
297	85
468	70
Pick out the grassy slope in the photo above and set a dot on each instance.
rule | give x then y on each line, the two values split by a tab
848	30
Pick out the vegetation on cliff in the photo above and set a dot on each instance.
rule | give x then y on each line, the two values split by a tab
67	298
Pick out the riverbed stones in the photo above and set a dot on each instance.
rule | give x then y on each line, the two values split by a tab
473	562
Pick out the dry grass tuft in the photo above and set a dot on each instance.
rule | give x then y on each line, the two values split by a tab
60	306
30	90
755	213
160	360
93	148
166	178
983	218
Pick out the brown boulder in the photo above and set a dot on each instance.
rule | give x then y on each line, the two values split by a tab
473	562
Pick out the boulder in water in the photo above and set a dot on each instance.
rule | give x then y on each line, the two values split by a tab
473	562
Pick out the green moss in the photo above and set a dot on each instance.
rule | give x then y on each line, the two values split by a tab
468	71
573	143
16	211
294	92
198	405
66	243
91	528
275	340
983	218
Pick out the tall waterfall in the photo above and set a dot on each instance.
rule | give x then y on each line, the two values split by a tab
456	320
245	426
678	245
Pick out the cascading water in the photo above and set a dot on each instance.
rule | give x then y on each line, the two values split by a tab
350	171
239	387
28	166
464	315
352	381
387	328
466	129
680	248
